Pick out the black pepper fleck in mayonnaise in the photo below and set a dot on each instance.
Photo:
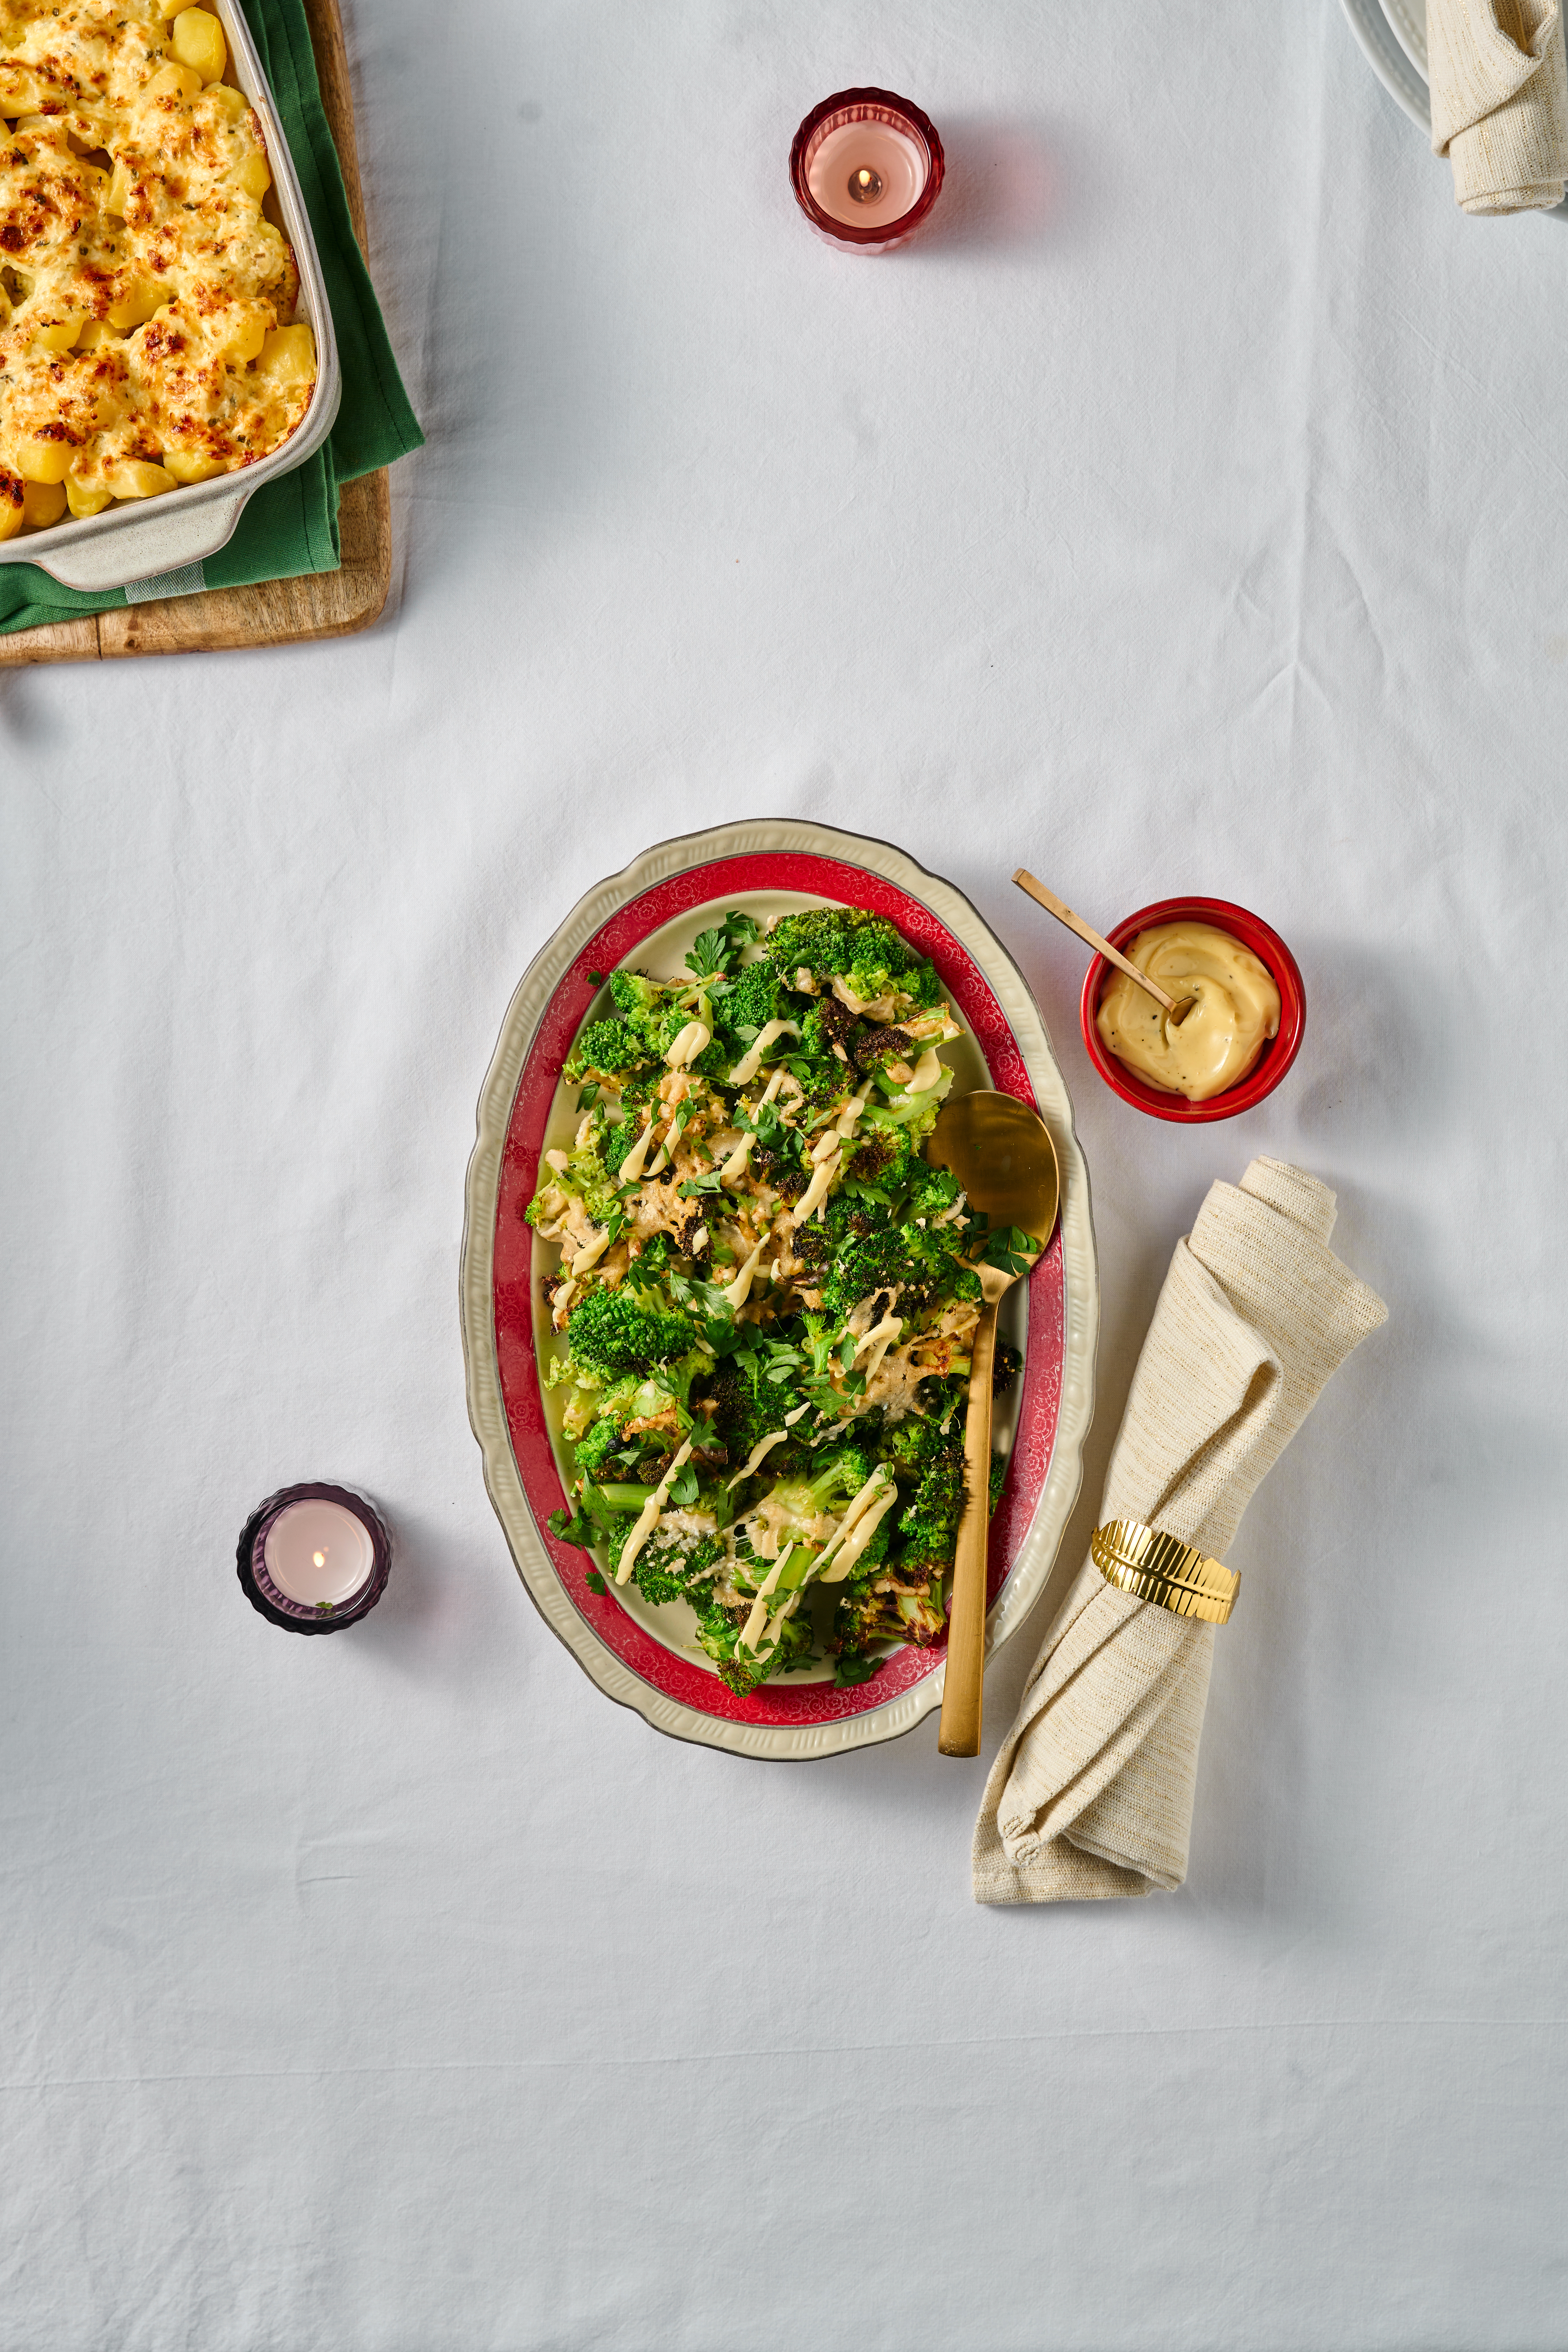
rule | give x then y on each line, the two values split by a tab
1214	1046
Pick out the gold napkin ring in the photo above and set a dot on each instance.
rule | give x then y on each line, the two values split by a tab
1164	1569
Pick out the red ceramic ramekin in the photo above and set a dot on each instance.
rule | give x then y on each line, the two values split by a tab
1277	1055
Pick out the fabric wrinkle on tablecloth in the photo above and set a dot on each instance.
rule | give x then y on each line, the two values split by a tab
1500	101
1092	1794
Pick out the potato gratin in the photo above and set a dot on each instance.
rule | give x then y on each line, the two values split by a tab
147	335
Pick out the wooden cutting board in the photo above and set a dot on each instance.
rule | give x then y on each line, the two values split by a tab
276	612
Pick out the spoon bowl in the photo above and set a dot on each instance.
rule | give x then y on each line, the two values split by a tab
1001	1152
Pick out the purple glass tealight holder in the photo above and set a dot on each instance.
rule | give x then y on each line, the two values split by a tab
313	1559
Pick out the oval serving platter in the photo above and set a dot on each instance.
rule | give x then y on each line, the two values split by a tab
762	866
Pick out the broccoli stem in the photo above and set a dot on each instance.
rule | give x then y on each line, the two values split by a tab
607	1502
795	1568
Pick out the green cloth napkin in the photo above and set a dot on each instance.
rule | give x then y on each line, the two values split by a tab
290	525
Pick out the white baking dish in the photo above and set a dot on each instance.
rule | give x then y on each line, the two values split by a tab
137	543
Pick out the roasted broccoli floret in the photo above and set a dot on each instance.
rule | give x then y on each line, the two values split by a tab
611	1529
872	1262
919	1261
831	1024
606	1049
883	1156
584	1175
603	1440
648	1011
635	997
840	1476
618	1141
719	1629
745	1406
863	1617
661	1576
655	1402
917	1113
940	1494
797	1500
915	1444
932	1191
854	1626
612	1333
863	950
937	1251
928	1524
910	980
713	1062
812	939
876	1046
671	1572
611	1456
943	1398
753	998
588	1172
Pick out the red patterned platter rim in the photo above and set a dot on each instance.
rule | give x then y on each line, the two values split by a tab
502	1317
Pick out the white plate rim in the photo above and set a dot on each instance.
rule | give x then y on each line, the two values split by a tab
1409	24
1386	55
1037	1553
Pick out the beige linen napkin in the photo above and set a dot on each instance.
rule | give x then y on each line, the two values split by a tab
1092	1792
1500	100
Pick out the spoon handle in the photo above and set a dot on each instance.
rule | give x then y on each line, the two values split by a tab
960	1695
1091	938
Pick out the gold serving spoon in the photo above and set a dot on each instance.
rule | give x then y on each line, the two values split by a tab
1002	1154
1178	1007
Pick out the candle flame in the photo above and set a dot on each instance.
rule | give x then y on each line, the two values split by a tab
319	1558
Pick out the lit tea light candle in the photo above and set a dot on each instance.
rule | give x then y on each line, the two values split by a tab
313	1559
866	168
319	1553
887	173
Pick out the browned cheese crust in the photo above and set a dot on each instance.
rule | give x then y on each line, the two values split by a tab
147	332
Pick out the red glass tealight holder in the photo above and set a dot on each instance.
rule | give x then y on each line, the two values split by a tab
866	167
314	1559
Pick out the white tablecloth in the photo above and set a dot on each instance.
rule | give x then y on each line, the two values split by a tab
1187	513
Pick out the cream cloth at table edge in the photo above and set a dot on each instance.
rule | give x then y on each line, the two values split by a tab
1500	101
1091	1793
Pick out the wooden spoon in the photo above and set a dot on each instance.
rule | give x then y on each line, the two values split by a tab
1002	1154
1178	1007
